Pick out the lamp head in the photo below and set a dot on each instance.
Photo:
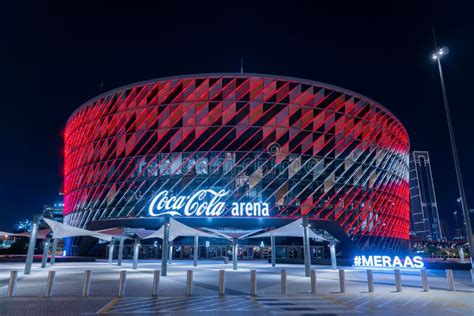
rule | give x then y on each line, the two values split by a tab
440	52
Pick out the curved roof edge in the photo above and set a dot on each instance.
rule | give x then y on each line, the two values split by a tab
232	74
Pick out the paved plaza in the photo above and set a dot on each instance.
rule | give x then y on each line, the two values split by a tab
172	299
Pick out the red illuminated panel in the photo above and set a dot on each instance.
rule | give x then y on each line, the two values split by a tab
306	148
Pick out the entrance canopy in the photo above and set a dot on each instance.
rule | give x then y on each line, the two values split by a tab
142	233
2	234
293	229
61	230
114	232
178	229
126	233
41	234
231	234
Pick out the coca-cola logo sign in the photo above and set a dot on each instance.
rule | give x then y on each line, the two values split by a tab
207	203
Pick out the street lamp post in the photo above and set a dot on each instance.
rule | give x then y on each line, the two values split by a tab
437	55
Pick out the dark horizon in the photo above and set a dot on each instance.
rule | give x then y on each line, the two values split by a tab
55	57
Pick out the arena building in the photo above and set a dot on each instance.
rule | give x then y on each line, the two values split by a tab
239	152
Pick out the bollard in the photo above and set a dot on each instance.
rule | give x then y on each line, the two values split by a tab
222	282
398	280
12	283
283	281
122	282
424	280
253	282
50	283
189	283
370	280
342	280
86	290
450	277
156	283
313	281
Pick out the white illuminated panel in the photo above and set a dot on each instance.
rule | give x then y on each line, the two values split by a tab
206	203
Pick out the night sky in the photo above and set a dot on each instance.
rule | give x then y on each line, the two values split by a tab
54	56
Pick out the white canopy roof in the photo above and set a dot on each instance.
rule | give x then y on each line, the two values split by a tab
178	229
41	234
8	234
114	232
231	234
293	229
127	233
61	230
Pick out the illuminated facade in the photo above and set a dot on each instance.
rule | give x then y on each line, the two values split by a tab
301	147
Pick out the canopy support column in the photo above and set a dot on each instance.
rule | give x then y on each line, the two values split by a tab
170	256
307	254
53	251
32	244
44	259
272	241
120	254
235	253
461	254
111	251
165	247
332	250
195	251
157	251
136	248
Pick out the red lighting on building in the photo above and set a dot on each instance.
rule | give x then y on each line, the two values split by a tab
304	147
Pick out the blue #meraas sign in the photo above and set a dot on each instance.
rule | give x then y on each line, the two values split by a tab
415	262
